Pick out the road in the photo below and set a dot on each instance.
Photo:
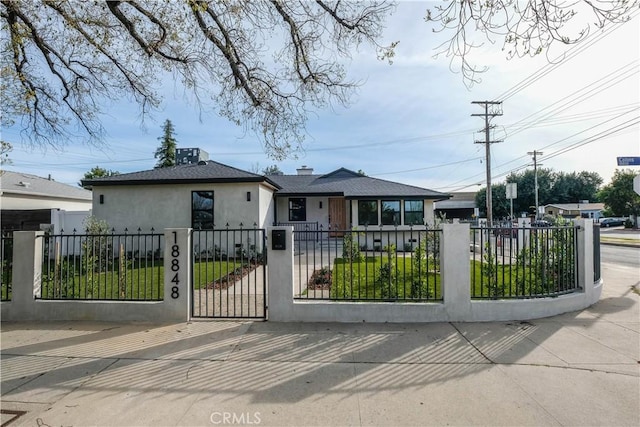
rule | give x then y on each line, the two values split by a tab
621	255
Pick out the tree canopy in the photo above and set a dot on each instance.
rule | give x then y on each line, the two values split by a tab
272	170
264	64
618	196
166	152
97	172
553	187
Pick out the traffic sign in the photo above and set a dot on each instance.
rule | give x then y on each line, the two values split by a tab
628	161
636	184
512	190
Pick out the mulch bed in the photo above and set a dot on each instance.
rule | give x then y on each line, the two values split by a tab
225	281
320	280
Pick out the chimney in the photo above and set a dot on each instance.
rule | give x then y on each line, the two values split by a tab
304	170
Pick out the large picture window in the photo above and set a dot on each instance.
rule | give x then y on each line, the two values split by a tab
390	212
297	209
367	212
202	210
413	212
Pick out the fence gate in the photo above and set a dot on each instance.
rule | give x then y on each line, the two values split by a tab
229	273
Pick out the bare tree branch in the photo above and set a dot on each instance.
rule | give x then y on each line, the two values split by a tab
265	63
527	27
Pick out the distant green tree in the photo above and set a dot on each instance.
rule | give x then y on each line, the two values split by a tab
575	186
97	172
553	187
361	172
272	170
166	153
618	196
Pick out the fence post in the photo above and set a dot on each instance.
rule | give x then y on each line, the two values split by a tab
280	277
585	257
178	270
27	274
455	271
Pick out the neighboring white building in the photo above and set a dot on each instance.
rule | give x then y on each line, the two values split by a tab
576	210
29	202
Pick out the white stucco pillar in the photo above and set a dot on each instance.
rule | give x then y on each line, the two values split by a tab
585	257
178	269
456	278
27	275
280	276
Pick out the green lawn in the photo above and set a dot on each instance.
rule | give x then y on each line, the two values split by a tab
372	279
143	282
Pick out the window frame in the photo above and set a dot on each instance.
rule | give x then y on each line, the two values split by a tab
206	210
363	221
302	202
396	218
412	212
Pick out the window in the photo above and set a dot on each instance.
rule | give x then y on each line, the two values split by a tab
297	209
202	210
390	212
367	212
413	212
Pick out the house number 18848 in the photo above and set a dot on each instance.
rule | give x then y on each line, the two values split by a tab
175	267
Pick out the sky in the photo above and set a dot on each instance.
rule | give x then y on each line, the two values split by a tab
411	121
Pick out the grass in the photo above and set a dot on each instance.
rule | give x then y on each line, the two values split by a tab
133	283
372	279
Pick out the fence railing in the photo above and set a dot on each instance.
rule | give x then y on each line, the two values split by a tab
102	267
512	262
6	257
228	281
363	265
303	230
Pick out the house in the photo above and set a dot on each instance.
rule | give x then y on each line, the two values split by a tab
344	199
30	202
199	195
207	194
584	209
461	205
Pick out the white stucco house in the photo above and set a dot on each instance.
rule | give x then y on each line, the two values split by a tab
209	194
576	210
30	202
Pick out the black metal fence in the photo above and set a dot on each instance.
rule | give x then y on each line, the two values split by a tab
229	278
512	262
369	265
303	230
6	257
103	267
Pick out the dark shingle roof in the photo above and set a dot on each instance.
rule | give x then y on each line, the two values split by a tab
349	184
26	184
192	173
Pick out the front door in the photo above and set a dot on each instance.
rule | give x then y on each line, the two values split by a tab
337	217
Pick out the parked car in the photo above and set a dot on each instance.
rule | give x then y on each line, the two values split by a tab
611	222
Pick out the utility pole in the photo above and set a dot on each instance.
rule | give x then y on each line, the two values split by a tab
487	141
535	154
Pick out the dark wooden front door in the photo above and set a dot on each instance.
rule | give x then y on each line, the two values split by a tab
337	217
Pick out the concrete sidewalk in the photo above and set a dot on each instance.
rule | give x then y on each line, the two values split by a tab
576	369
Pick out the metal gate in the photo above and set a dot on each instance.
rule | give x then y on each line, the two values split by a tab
229	273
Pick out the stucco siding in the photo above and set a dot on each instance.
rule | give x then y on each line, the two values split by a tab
169	206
